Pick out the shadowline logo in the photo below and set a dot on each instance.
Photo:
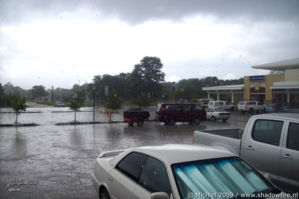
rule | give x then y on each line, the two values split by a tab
17	185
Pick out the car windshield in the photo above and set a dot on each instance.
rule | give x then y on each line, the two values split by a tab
219	110
219	178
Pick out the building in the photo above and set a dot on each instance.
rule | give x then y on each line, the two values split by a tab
280	86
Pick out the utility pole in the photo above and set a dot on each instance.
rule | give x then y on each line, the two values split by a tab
52	95
94	103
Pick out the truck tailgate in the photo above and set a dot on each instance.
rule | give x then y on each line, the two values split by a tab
227	138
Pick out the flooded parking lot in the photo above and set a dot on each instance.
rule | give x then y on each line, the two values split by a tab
50	161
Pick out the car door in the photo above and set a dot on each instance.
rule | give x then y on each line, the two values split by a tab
209	112
124	177
188	113
154	178
261	146
289	159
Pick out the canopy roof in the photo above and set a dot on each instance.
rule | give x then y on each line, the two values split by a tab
281	65
285	85
222	88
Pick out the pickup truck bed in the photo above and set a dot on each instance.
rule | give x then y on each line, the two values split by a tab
227	138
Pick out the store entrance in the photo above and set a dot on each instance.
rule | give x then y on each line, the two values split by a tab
257	97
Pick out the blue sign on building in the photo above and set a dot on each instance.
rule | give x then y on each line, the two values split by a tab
257	78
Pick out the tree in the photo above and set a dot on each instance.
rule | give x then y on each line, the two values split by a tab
18	104
178	95
147	76
2	95
38	92
113	103
76	103
142	101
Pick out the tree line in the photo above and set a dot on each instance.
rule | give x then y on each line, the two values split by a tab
145	85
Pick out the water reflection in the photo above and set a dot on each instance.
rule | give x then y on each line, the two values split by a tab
19	146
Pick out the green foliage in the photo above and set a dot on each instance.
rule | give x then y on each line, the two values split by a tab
1	95
142	100
113	101
18	104
147	76
76	103
177	95
38	92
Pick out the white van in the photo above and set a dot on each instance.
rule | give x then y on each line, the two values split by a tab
221	104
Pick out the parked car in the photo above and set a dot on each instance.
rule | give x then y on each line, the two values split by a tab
204	102
251	106
59	104
176	171
136	115
217	114
221	104
269	142
273	108
170	113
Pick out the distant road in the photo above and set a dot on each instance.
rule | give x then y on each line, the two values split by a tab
36	105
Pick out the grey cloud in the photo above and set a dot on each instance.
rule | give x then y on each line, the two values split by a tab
136	11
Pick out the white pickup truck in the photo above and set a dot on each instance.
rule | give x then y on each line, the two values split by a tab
221	104
269	142
251	106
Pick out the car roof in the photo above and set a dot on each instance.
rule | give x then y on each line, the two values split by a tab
178	153
278	116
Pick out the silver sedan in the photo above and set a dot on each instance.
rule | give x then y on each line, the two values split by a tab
217	114
176	171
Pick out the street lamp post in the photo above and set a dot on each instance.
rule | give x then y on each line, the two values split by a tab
94	103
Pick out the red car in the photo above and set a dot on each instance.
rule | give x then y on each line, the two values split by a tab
170	113
136	115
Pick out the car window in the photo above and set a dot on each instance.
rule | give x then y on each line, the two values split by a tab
132	164
154	176
179	107
293	137
197	107
267	131
187	107
170	108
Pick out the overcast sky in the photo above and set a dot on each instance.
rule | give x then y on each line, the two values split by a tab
60	43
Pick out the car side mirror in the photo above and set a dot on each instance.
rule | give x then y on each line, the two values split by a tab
159	195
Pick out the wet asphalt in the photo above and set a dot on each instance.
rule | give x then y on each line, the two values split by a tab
50	161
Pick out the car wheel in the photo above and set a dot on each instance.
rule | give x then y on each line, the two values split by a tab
130	124
196	121
251	111
104	193
243	112
213	118
140	123
232	109
224	120
171	121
